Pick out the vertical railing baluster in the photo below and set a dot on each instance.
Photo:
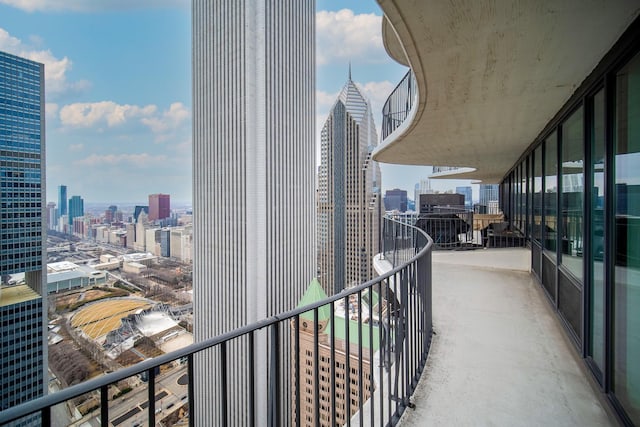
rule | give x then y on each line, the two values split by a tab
332	344
405	334
316	368
383	339
151	395
274	380
360	387
252	382
371	382
296	378
104	406
190	390
223	383
347	344
45	416
392	336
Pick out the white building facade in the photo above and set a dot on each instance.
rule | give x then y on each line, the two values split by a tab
253	174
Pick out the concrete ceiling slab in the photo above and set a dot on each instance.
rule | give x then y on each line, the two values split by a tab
492	74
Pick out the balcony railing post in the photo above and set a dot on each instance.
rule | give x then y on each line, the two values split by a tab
274	376
151	395
190	389
104	406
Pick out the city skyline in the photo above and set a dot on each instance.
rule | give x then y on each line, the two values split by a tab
118	102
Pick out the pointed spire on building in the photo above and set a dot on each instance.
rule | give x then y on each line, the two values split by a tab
349	70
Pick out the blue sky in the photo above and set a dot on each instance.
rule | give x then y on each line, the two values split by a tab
118	88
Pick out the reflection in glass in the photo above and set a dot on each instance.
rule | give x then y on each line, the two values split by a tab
550	194
571	194
597	231
537	194
626	363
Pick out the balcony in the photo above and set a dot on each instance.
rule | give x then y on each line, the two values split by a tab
498	356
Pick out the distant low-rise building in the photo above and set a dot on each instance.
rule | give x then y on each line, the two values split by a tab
65	275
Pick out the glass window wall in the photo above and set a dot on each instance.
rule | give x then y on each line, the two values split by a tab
571	195
626	333
596	315
550	195
537	194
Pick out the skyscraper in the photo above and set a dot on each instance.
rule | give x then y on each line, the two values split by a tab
489	198
23	360
347	375
52	215
159	206
349	208
76	208
254	184
62	200
467	192
395	199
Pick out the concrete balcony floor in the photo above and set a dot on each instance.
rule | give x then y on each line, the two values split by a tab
500	356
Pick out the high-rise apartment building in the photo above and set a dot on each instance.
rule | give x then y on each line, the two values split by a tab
253	186
62	200
76	208
138	210
467	192
395	200
23	360
348	204
159	206
52	215
489	198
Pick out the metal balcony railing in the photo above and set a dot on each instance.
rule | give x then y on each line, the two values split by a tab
399	104
397	318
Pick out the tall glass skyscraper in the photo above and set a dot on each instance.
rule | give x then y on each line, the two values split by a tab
62	200
76	208
349	205
23	366
253	184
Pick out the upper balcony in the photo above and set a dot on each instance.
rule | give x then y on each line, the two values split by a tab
487	78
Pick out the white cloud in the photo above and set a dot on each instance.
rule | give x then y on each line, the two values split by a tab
56	69
168	125
377	93
325	100
136	159
91	5
76	147
51	111
343	36
177	115
88	114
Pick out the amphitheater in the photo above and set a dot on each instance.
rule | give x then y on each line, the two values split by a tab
96	320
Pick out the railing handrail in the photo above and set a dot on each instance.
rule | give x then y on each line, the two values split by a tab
49	400
402	98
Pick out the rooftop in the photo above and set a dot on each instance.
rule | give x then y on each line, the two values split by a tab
16	294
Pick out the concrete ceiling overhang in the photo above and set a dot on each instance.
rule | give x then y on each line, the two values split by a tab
492	74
